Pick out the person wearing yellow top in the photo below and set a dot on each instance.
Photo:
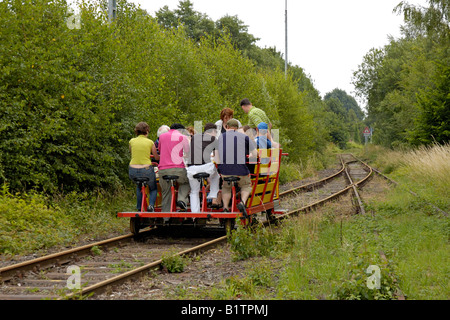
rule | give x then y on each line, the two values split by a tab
141	164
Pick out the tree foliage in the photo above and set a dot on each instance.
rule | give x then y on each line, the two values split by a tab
406	83
57	126
70	97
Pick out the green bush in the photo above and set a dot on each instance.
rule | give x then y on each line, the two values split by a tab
252	241
173	262
28	224
357	287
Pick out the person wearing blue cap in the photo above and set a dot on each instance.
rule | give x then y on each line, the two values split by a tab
264	138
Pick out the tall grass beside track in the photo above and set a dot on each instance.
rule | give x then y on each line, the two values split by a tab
331	253
325	254
425	170
32	222
412	234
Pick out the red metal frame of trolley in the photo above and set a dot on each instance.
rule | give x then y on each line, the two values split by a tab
264	191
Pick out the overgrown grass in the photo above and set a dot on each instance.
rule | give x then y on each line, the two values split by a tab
326	254
353	147
256	284
246	243
93	214
424	170
31	221
415	241
173	262
315	258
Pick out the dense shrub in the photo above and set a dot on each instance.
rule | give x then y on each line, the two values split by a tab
28	223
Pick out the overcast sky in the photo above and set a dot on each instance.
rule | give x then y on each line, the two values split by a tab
327	38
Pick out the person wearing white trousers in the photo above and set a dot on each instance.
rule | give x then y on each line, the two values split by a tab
214	180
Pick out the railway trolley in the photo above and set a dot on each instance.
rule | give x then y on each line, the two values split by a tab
262	200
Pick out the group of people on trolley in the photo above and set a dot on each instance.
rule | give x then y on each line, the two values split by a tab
224	149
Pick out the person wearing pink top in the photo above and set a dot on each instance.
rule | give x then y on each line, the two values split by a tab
172	145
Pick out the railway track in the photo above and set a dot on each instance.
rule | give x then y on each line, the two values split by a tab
352	174
111	262
92	268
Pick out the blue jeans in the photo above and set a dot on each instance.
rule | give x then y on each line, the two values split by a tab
149	173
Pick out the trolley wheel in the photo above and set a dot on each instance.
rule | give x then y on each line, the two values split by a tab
269	215
135	225
229	225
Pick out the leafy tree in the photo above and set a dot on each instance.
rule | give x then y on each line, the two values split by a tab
431	24
433	121
167	18
403	82
336	121
345	120
432	21
355	125
348	102
195	23
238	32
56	130
296	124
267	58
